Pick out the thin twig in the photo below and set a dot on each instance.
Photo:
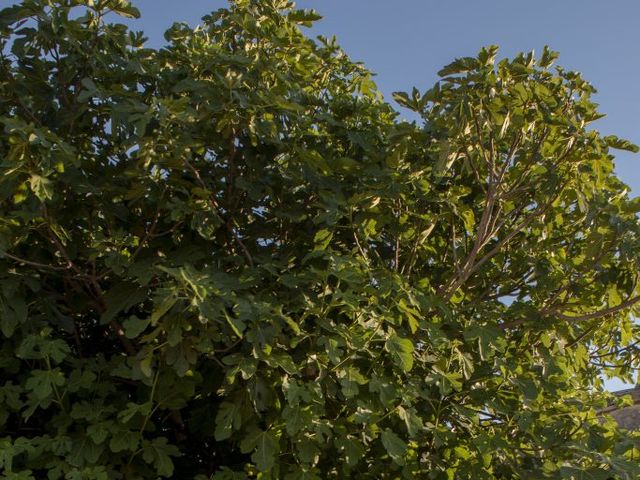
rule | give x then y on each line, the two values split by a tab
34	264
216	208
151	230
600	313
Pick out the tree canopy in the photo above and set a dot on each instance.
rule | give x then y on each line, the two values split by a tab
231	258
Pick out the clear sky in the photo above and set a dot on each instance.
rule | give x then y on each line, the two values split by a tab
405	42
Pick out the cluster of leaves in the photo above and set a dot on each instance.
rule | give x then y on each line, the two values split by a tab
228	258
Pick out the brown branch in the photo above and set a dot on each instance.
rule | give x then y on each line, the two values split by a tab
115	326
526	173
487	159
420	237
536	150
594	264
126	343
476	174
230	347
454	253
601	313
360	249
149	233
525	223
396	261
616	352
579	318
228	224
166	232
510	156
232	165
53	237
92	286
487	226
519	285
481	237
34	264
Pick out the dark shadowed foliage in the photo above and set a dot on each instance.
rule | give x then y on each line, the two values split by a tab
228	258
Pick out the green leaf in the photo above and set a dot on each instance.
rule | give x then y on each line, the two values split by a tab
412	420
85	452
547	57
89	91
7	451
402	98
305	17
265	447
411	313
14	14
121	298
12	314
43	382
124	440
308	451
459	65
301	473
351	448
98	432
162	309
401	350
133	409
295	419
42	187
446	159
226	473
158	452
322	239
396	448
468	218
488	337
292	324
620	144
134	326
125	9
228	418
237	325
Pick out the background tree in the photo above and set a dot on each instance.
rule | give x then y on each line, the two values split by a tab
229	258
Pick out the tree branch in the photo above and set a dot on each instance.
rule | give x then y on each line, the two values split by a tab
35	264
216	209
601	313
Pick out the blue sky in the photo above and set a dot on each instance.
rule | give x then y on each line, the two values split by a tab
405	42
